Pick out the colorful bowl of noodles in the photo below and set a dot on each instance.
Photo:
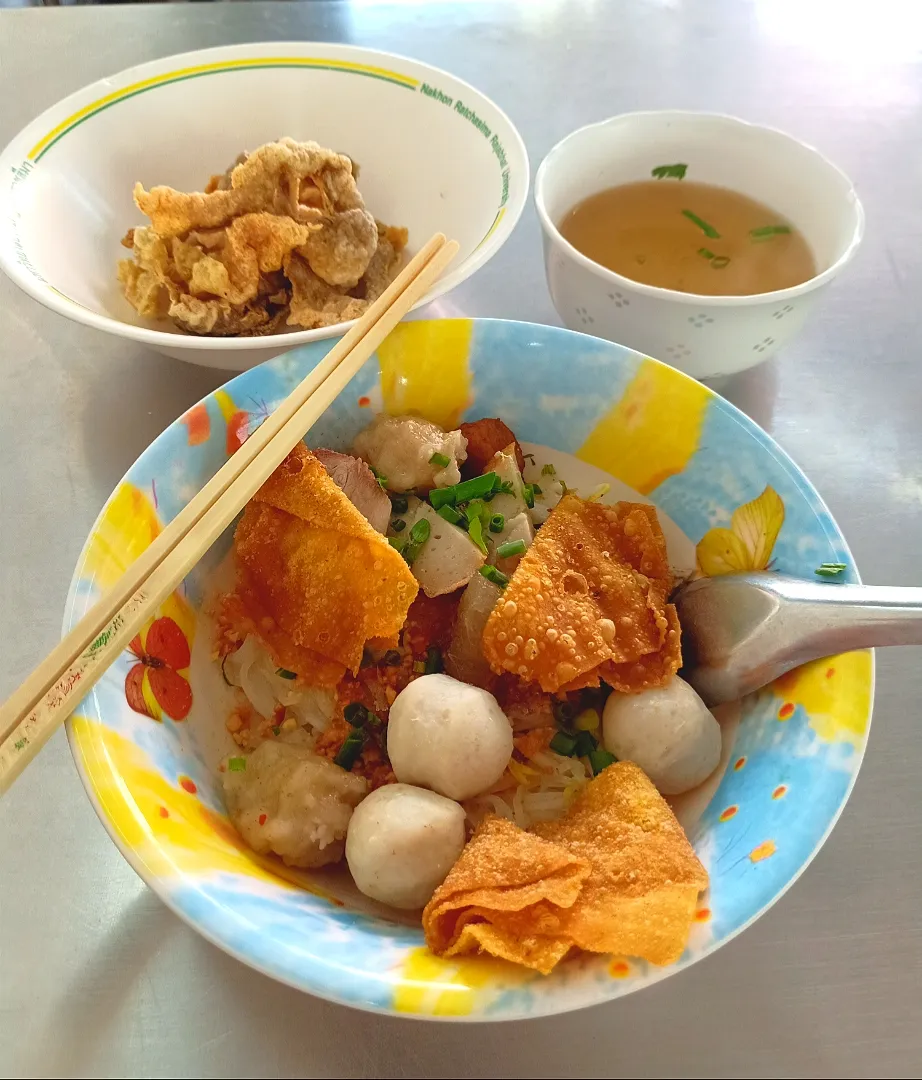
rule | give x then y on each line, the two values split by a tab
149	739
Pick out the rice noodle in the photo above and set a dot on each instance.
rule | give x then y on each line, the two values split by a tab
549	783
253	670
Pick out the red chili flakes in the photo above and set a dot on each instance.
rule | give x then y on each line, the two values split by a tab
188	784
262	819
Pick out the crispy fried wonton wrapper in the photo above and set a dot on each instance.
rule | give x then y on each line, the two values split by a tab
320	572
640	898
504	896
588	600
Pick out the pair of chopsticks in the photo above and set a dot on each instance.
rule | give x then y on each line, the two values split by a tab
51	693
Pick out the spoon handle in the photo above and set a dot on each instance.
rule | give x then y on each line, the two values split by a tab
844	617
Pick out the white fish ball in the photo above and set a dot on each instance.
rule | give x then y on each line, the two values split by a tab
401	843
448	736
667	731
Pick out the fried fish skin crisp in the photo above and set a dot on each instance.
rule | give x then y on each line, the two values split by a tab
323	574
267	181
591	589
641	896
504	896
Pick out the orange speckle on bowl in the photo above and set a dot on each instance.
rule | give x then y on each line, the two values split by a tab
739	763
765	850
619	969
703	915
197	424
164	812
830	671
262	819
364	401
786	711
780	791
188	784
730	812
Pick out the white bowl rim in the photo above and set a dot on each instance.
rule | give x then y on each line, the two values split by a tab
674	295
64	305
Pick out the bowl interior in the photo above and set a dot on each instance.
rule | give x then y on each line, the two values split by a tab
764	164
597	405
434	154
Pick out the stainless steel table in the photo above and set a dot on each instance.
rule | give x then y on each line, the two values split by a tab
97	978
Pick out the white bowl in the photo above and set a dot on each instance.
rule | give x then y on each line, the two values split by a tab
435	155
705	336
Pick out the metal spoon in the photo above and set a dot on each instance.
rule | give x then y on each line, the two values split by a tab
741	631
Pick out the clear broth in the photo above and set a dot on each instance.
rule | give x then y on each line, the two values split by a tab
661	232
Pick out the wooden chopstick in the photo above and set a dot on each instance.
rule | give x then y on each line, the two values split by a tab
54	689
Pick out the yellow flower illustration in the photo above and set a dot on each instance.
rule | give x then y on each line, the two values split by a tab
748	543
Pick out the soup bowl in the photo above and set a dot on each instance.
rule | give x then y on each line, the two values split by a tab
147	738
706	336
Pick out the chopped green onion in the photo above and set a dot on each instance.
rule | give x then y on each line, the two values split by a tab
350	749
276	730
398	524
494	575
502	487
380	477
548	470
441	460
237	764
513	547
475	531
419	667
433	661
708	230
476	508
536	488
490	496
497	523
585	744
720	262
400	504
528	493
475	488
601	491
355	714
420	532
563	744
600	759
706	253
830	569
398	543
671	172
391	658
285	673
449	513
439	497
770	230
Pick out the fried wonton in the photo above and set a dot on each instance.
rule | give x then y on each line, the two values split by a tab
504	896
640	898
320	573
590	592
212	261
